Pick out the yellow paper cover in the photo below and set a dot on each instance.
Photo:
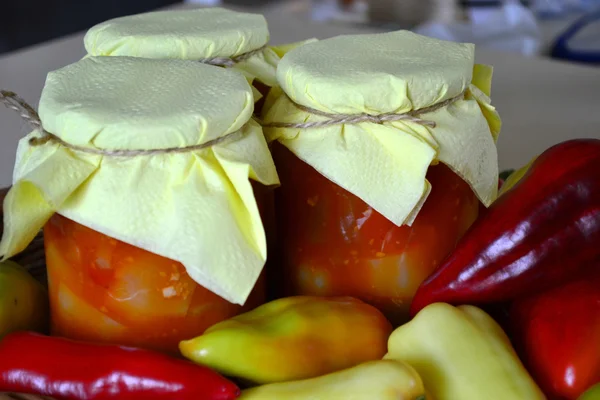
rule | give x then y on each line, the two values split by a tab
189	35
397	72
197	207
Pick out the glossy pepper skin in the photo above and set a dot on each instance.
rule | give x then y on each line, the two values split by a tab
69	370
293	338
557	333
381	380
462	353
541	232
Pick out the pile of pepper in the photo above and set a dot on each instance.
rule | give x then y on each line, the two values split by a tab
535	253
530	261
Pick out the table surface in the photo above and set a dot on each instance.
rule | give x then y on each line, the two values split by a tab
541	101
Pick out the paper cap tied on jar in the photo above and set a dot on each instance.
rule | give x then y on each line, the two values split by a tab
155	153
213	36
372	112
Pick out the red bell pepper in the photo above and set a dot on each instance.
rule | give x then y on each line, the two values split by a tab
557	334
70	370
542	232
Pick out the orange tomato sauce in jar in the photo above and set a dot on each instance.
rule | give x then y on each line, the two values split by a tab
105	290
333	244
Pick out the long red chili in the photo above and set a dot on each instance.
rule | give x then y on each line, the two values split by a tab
541	233
71	370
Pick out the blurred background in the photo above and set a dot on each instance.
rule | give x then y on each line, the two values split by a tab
563	29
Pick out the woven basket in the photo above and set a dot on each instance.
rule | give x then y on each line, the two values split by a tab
34	260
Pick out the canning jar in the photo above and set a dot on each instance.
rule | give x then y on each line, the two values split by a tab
148	177
385	146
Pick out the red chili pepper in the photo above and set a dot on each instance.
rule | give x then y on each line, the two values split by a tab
70	370
557	334
542	232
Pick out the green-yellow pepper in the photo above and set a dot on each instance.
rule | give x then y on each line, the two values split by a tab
592	393
293	338
381	380
462	353
23	300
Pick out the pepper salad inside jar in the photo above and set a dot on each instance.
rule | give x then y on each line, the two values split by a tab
385	146
143	179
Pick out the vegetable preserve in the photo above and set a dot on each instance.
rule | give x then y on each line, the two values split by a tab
381	171
333	243
102	289
153	210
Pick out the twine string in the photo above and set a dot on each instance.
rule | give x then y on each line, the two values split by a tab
12	101
340	119
231	61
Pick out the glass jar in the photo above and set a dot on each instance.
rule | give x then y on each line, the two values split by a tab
385	146
104	290
154	202
332	243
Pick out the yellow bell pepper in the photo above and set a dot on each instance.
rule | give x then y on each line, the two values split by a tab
462	353
23	300
374	380
293	338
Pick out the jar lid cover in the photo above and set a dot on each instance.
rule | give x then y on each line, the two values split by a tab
186	34
379	73
136	103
